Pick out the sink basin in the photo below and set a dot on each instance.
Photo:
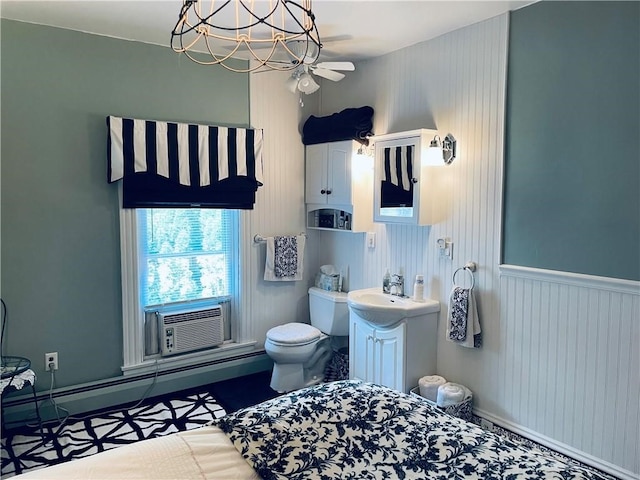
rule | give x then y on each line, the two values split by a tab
383	309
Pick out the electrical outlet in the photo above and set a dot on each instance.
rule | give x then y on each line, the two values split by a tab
51	358
371	240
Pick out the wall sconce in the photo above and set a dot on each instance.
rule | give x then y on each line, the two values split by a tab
441	151
362	161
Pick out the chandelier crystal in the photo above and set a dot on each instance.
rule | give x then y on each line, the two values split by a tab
274	34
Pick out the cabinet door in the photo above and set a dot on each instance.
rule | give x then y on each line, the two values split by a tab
361	350
339	172
316	173
390	357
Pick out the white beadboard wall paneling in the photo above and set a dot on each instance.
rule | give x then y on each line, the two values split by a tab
570	362
560	356
279	209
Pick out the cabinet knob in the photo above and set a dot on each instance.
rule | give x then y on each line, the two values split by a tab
328	192
323	191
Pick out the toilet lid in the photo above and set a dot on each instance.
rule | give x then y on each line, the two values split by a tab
293	333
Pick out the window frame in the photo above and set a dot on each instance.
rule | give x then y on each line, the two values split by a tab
133	335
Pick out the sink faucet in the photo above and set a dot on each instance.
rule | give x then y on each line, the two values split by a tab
397	285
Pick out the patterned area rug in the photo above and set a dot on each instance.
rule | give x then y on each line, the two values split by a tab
23	449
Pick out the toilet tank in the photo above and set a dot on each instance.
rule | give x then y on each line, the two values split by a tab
329	311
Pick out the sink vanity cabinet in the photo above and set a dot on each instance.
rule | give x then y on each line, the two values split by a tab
387	352
338	190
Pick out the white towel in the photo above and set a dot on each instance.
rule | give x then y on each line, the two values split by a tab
285	258
463	323
451	394
429	386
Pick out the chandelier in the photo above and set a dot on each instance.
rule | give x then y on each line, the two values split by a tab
276	34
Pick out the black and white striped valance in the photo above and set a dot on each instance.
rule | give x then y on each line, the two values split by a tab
398	166
177	164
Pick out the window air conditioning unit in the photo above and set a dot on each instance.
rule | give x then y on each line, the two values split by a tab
189	330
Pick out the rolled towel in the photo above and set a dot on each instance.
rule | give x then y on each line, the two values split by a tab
429	386
450	394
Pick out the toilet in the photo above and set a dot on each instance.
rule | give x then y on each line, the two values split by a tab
301	351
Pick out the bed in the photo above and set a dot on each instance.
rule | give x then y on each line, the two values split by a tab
346	429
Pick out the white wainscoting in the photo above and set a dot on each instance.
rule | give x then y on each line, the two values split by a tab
569	361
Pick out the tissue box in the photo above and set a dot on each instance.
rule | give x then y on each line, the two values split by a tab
327	282
463	410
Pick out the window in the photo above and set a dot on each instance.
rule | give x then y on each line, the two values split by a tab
171	257
186	254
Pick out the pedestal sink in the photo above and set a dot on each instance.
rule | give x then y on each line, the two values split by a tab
383	309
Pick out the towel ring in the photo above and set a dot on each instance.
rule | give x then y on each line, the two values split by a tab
469	267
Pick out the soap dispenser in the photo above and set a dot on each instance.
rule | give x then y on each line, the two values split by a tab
386	282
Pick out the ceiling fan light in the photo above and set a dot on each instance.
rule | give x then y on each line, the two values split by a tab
307	84
292	84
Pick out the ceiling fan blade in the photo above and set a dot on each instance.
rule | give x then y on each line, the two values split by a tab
328	74
346	66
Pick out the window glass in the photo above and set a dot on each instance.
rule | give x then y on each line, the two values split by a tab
186	254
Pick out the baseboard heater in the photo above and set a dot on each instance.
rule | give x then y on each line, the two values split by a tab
189	330
60	394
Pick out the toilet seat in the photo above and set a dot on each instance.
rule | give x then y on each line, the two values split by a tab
291	334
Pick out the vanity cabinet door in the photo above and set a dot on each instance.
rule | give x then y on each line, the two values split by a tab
377	354
390	357
361	350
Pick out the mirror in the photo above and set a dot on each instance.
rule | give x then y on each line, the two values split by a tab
397	181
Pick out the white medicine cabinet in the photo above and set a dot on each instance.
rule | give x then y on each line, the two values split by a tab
404	189
338	187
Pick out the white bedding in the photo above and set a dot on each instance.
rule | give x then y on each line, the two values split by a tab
204	453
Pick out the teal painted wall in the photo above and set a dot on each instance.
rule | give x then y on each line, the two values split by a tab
572	173
60	229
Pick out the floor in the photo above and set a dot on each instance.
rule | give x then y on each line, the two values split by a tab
23	449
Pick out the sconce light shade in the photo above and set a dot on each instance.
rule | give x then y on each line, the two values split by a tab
433	156
440	152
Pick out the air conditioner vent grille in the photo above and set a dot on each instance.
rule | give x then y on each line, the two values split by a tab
186	331
194	315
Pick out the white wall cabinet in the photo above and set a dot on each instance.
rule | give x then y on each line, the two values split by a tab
338	191
405	190
395	356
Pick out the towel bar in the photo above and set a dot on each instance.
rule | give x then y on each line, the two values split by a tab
257	238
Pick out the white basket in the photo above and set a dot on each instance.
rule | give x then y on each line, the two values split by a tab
463	409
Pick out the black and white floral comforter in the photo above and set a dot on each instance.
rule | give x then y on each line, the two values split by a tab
355	430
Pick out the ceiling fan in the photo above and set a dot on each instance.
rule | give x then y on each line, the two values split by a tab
301	79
